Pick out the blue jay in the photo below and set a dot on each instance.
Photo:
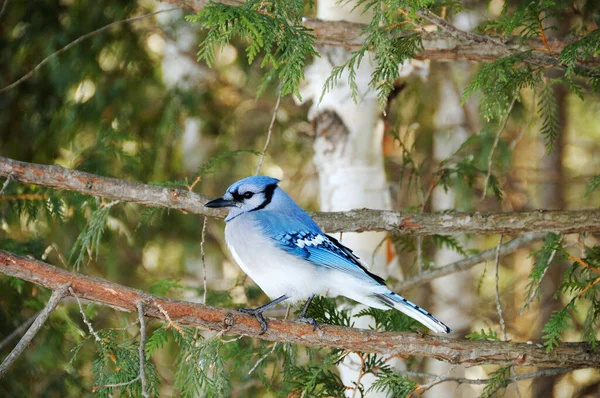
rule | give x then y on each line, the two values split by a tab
287	255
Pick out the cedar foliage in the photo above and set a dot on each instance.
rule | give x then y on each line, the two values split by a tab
132	105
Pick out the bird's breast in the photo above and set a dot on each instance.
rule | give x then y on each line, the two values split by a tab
274	270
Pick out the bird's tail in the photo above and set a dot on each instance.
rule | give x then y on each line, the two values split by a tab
401	304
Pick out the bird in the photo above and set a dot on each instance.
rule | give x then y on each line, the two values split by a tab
281	248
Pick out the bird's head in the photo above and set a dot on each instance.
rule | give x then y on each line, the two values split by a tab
248	194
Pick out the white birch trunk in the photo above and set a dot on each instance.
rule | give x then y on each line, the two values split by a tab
349	156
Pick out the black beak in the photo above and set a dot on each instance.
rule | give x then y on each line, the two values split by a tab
220	203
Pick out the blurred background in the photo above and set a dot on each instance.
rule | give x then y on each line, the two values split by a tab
133	103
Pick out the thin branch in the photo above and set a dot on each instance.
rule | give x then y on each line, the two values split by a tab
261	359
77	41
3	10
462	380
536	288
85	318
203	259
231	322
447	223
496	140
270	131
142	346
58	294
21	329
9	178
468	263
497	289
116	385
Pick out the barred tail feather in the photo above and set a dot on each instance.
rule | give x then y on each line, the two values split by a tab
401	304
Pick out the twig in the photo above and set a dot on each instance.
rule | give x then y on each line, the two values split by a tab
57	295
3	8
496	140
77	41
202	257
18	331
468	263
513	372
85	318
123	384
497	289
420	253
10	177
261	359
462	380
168	318
54	246
141	349
270	131
461	34
535	290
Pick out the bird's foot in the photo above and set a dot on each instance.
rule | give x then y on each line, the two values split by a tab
259	317
310	321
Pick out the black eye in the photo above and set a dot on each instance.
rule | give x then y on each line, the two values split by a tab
248	195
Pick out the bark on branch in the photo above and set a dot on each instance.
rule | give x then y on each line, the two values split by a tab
576	355
450	223
448	45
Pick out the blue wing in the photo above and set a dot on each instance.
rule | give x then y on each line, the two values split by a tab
304	239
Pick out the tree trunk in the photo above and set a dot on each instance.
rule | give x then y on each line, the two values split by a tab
349	156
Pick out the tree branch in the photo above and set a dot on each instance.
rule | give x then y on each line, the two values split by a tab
468	263
60	291
448	223
576	355
448	45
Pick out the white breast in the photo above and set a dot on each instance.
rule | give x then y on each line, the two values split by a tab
275	271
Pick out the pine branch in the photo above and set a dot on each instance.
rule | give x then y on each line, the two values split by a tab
448	223
576	355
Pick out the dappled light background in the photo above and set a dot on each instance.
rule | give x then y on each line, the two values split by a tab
133	103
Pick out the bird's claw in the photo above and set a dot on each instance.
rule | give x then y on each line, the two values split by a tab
259	317
310	321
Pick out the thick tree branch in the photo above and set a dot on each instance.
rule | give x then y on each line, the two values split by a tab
576	355
447	45
451	223
60	291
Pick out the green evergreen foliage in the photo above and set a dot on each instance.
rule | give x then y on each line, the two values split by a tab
555	327
392	321
551	250
497	381
386	42
273	27
200	366
315	381
483	335
118	363
529	19
501	81
397	385
592	185
326	310
581	282
88	241
548	111
587	47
